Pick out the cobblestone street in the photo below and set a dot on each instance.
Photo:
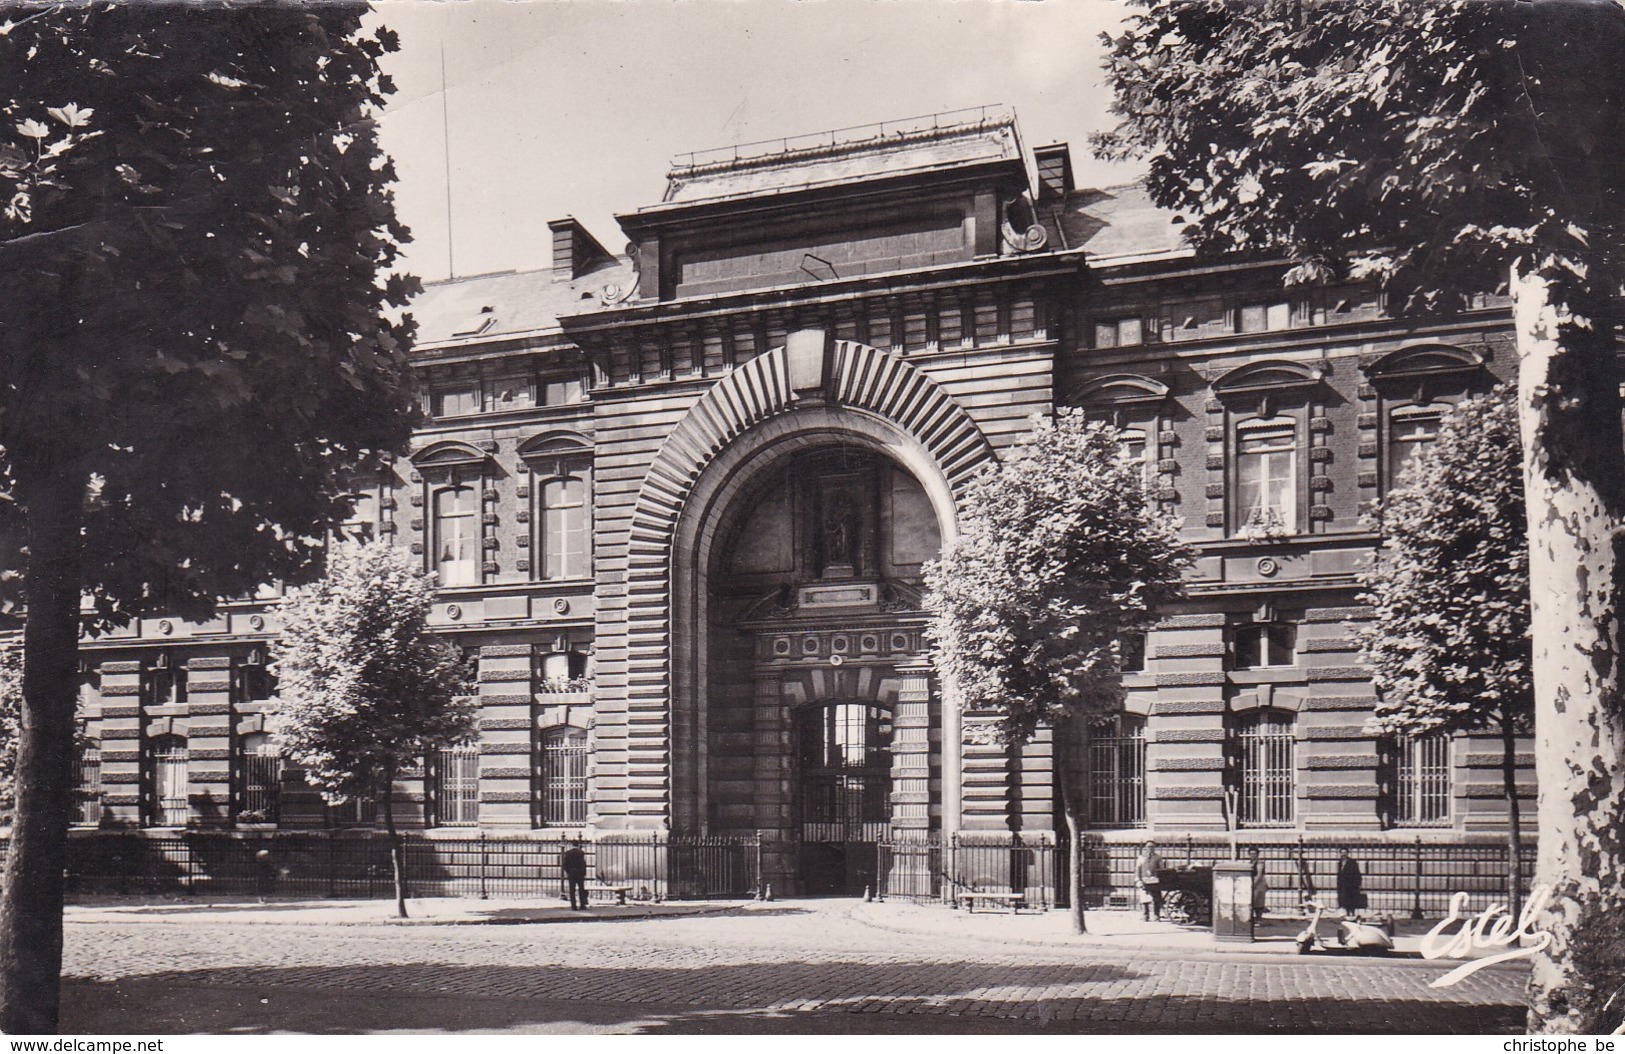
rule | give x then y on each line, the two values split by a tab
786	967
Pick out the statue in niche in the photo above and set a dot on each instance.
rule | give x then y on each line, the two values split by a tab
837	536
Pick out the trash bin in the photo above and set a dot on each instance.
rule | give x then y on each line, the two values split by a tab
1233	901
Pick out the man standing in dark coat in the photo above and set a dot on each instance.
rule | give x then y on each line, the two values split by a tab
574	865
1349	896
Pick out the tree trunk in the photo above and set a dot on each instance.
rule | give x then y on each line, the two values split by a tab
1067	753
1509	786
397	848
1574	469
31	906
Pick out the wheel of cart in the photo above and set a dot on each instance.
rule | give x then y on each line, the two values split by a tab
1185	907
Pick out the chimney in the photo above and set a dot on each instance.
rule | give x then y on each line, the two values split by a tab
575	252
1054	171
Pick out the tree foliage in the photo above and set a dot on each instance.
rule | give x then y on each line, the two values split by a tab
196	243
366	690
1058	555
1448	639
1430	144
200	345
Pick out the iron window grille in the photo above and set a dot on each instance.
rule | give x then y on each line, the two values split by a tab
259	779
1265	773
1117	772
1418	778
455	787
167	802
87	782
561	777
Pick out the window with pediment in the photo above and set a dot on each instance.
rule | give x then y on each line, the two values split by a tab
1268	408
560	471
453	476
1414	389
1137	407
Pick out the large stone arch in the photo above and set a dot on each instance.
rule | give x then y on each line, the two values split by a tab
762	412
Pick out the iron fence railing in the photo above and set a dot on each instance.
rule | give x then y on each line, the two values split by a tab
356	864
931	867
1401	878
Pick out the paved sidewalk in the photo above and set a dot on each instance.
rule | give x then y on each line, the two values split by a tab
425	911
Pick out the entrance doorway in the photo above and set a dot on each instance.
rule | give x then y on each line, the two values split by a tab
844	794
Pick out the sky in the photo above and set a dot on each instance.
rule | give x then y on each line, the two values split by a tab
576	107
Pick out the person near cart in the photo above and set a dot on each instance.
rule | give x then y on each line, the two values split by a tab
1149	881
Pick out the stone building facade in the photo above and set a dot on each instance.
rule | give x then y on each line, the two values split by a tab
679	499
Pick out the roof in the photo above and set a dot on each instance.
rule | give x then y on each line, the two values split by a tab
479	308
1111	225
845	155
1116	224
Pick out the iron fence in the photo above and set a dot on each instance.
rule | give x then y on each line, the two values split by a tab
356	864
1414	879
930	867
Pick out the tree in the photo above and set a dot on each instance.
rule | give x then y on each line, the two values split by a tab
1448	640
366	690
195	237
1058	556
1448	149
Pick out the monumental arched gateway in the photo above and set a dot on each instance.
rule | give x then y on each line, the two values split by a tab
789	515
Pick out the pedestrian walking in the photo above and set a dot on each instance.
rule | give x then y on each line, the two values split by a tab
1261	885
574	865
1148	880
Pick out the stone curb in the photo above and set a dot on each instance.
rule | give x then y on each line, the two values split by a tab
260	919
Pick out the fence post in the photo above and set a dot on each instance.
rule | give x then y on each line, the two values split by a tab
761	890
484	892
1416	902
332	868
1188	840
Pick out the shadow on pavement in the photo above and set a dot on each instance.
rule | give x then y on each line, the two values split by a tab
855	997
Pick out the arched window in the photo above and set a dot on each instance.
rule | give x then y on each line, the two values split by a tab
167	804
1263	772
561	777
456	536
259	779
1117	772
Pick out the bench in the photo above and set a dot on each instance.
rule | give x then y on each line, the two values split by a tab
1014	901
618	892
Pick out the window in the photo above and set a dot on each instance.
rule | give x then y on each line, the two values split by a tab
259	779
456	536
255	681
1117	772
1411	432
561	391
1120	333
1262	645
1262	318
561	777
845	754
362	523
1267	478
1132	447
164	682
1416	774
167	804
562	515
509	393
455	402
1131	652
562	671
1262	769
353	812
454	787
87	786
